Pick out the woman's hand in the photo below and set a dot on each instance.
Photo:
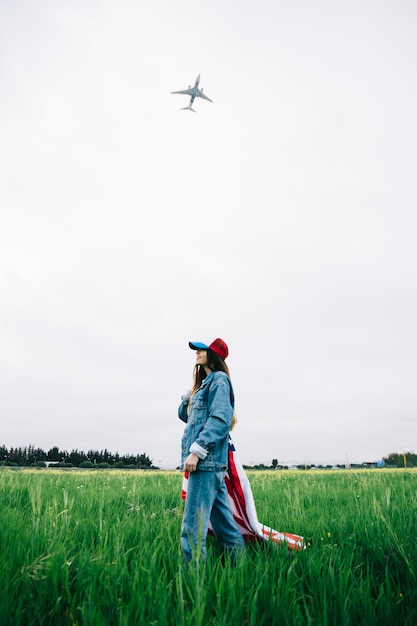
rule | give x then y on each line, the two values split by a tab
191	461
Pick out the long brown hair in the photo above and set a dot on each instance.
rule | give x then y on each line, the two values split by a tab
215	364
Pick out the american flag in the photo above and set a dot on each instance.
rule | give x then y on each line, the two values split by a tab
243	507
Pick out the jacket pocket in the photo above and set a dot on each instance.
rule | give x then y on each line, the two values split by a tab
198	412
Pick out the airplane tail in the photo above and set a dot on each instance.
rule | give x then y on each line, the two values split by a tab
189	108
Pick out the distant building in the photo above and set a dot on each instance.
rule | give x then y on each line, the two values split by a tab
371	464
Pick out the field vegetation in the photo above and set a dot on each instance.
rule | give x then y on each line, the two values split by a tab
96	548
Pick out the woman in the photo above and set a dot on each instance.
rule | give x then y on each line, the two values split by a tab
208	411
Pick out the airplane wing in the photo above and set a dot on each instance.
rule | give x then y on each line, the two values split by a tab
203	95
186	92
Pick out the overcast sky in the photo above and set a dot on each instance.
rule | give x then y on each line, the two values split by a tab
282	217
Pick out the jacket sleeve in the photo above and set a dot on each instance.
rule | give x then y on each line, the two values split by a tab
183	408
220	408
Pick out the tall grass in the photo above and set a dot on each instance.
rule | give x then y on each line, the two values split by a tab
99	548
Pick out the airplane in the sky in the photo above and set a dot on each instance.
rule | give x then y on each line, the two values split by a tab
194	92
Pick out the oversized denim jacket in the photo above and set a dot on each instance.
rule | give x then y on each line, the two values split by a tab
209	421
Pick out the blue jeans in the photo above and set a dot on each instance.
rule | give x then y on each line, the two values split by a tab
207	500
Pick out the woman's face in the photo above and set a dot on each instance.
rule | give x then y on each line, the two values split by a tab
201	357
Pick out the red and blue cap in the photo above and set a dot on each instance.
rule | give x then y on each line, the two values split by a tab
218	346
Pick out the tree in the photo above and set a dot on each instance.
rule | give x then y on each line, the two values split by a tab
76	457
144	461
54	454
29	456
86	464
4	453
401	459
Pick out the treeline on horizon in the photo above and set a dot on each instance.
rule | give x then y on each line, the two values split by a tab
29	456
392	460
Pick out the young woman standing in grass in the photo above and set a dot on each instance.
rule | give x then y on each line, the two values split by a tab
208	412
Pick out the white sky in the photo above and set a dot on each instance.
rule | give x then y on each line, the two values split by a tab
281	217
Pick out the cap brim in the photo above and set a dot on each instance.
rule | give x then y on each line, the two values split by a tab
196	345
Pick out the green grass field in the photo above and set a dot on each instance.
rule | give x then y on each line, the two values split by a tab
102	547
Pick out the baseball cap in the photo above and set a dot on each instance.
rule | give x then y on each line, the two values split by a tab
218	346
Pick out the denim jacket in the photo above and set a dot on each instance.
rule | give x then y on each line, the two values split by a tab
209	421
